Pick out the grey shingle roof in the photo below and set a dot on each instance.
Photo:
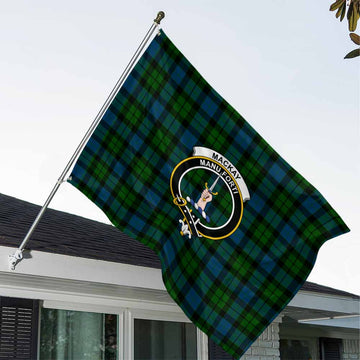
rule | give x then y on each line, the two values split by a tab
67	234
309	286
62	233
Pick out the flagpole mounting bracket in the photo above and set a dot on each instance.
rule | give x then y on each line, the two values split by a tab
15	258
159	17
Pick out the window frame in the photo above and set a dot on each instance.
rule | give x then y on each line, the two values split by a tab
61	305
130	316
126	318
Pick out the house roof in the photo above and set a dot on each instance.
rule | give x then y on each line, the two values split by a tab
312	287
67	234
62	233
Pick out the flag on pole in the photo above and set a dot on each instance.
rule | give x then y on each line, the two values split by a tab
174	166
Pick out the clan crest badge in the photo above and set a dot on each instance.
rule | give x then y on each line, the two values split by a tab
210	193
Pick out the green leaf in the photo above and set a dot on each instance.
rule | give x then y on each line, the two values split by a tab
341	12
355	38
336	5
352	54
353	16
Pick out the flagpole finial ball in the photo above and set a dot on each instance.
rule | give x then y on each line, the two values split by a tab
159	17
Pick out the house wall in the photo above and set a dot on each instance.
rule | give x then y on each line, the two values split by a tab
267	346
351	349
312	334
72	283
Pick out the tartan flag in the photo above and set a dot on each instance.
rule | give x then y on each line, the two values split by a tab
174	166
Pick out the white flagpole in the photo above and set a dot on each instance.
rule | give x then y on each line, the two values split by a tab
16	257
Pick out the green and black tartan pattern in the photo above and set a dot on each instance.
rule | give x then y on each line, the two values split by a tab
232	288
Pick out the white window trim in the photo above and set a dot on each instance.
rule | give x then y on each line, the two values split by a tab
203	348
126	317
131	315
63	305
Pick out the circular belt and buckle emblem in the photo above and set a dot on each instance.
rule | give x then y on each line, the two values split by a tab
210	194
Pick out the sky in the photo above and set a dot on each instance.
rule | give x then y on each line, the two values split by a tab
278	63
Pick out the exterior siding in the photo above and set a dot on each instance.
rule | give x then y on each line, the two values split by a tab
267	346
351	350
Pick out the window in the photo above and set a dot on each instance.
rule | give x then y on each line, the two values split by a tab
73	335
163	340
297	350
330	349
124	335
